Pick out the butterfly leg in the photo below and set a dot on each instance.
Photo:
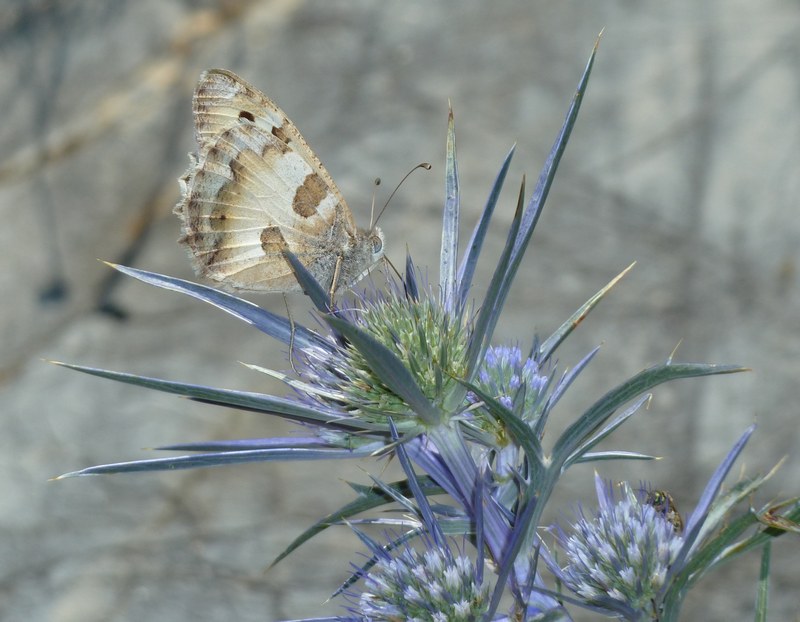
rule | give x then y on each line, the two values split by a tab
335	280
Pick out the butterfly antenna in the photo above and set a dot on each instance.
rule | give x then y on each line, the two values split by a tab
376	183
391	265
424	165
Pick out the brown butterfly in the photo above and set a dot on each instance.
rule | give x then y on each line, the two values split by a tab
255	189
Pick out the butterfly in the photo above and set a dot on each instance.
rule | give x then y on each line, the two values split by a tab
255	189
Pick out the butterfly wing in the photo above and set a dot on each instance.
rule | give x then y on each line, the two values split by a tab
222	100
255	189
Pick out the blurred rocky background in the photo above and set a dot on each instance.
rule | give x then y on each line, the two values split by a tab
686	159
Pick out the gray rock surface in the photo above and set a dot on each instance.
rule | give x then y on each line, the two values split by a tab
686	158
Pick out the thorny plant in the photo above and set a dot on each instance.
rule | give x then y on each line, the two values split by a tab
411	372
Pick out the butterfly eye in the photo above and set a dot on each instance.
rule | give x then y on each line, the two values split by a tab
377	244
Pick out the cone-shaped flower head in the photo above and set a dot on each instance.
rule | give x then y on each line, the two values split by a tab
429	341
510	378
619	557
434	586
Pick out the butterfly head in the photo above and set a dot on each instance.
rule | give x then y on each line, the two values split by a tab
366	251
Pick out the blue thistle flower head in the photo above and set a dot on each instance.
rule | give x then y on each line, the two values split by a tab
431	586
516	382
429	341
434	582
620	556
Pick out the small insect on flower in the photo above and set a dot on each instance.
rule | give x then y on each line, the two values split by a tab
664	504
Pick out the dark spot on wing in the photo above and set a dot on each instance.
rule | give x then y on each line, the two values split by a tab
309	196
280	134
272	240
244	114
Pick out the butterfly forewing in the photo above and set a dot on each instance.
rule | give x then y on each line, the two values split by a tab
255	189
222	99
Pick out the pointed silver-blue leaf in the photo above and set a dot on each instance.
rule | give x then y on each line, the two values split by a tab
310	285
410	281
422	501
490	309
227	458
550	344
548	173
581	454
243	444
591	420
258	402
273	325
368	498
536	204
467	268
700	512
449	252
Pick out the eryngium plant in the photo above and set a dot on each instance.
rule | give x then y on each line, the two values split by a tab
411	371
